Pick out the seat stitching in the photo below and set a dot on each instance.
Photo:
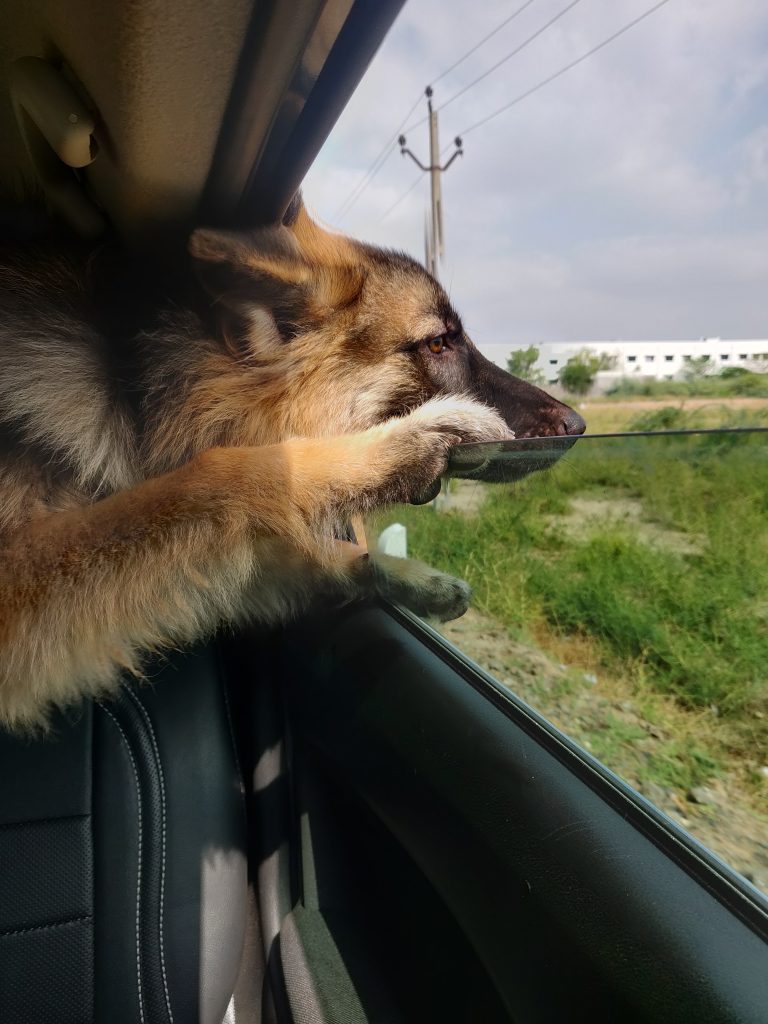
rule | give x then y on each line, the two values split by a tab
150	727
140	845
45	927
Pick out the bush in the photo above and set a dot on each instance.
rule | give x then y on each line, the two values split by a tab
724	385
629	387
734	371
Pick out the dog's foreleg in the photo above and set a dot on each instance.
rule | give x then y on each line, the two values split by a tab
84	592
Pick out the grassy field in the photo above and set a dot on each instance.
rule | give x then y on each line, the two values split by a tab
647	558
604	415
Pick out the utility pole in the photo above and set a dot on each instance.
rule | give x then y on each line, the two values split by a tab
434	240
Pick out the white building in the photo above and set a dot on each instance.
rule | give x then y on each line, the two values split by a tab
662	360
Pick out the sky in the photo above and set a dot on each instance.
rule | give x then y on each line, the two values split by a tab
628	199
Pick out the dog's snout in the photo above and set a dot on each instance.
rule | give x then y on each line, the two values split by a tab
556	420
573	423
528	410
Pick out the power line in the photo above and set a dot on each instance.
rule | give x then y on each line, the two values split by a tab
386	150
365	181
482	42
509	56
535	88
416	124
397	202
382	157
563	70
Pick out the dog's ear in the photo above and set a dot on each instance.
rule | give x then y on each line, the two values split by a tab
263	269
273	269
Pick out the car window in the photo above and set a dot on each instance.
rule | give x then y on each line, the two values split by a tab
623	593
607	189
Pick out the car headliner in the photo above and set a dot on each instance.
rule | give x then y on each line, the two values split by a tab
205	112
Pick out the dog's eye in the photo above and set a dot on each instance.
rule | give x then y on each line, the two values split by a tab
437	345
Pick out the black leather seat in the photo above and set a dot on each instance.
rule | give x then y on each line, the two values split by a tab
123	869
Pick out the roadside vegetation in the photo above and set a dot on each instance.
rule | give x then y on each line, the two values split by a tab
643	563
730	383
687	615
701	378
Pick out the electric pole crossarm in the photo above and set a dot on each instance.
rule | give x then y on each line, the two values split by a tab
458	152
435	248
406	152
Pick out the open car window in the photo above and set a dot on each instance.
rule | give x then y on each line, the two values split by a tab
622	593
620	582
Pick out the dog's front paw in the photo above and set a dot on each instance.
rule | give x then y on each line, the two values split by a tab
465	418
418	460
444	597
417	445
424	591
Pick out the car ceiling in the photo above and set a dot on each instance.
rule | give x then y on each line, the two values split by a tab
206	110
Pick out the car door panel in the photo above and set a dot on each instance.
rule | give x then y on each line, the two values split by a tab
566	887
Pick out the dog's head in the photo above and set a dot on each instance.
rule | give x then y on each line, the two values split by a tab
356	333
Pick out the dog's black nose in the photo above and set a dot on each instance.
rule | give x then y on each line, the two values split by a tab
573	423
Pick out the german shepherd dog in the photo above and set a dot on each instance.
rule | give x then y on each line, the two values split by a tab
159	480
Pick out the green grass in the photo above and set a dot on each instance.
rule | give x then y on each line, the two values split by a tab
677	417
672	764
691	625
680	765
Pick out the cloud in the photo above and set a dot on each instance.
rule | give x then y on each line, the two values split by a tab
627	199
634	287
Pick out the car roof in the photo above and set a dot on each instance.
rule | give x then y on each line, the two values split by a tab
204	112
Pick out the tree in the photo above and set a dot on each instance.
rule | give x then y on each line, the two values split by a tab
578	374
696	368
521	363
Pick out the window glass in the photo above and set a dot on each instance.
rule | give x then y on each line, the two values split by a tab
623	593
642	231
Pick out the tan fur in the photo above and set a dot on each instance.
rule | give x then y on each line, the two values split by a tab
123	532
84	592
